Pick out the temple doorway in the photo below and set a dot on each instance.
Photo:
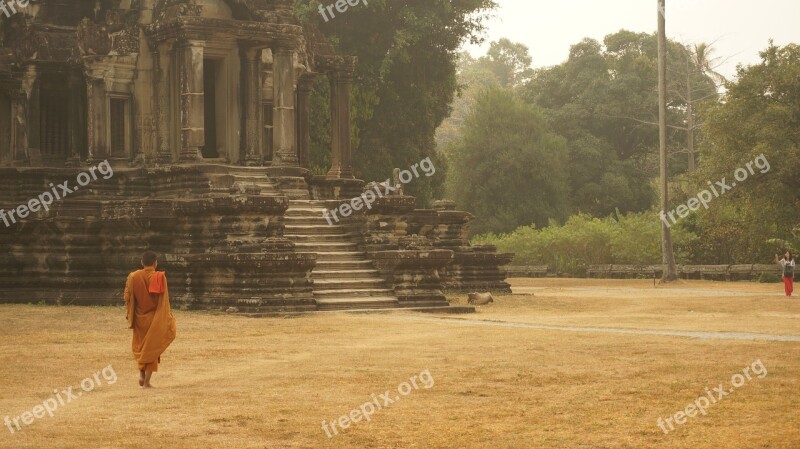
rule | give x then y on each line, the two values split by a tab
6	156
54	119
211	70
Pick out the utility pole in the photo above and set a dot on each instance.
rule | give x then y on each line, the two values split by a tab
668	257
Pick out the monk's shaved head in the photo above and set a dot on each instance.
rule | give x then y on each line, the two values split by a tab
149	258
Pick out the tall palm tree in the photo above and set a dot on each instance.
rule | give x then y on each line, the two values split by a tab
698	56
668	257
701	55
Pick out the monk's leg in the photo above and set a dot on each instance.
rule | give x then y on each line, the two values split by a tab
149	369
141	377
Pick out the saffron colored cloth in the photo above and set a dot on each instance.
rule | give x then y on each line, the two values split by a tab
158	283
788	285
150	317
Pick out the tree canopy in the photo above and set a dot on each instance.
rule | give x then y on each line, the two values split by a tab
603	100
760	115
405	80
508	167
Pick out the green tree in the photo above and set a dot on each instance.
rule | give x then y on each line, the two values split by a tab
405	79
586	101
506	64
508	167
604	101
760	114
509	62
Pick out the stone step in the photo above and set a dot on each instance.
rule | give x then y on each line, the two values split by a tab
310	221
306	229
257	180
266	189
225	192
346	302
349	283
326	247
341	255
340	265
308	201
306	209
352	292
306	212
322	238
343	277
294	193
353	273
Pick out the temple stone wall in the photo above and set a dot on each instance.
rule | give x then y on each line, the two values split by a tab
394	224
221	241
474	268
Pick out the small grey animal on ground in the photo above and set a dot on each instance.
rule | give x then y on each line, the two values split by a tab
480	299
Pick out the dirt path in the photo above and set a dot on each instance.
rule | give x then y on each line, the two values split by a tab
525	290
607	330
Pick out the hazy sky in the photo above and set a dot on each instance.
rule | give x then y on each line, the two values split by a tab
740	28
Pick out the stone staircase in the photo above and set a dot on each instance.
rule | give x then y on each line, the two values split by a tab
224	177
344	277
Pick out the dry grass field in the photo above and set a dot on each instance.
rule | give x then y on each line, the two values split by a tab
236	382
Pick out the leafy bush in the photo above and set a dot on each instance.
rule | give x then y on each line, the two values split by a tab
583	240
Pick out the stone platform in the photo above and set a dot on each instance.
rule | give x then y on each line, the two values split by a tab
231	240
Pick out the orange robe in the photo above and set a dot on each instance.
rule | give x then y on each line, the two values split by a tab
150	317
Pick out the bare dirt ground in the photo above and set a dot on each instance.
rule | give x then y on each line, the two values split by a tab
235	382
637	304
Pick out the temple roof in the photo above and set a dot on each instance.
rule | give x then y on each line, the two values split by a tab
69	31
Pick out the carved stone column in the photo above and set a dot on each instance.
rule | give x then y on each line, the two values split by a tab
304	86
190	63
76	124
19	126
97	148
284	132
341	79
251	101
31	153
6	114
161	61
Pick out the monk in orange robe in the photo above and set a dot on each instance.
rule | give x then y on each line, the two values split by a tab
149	315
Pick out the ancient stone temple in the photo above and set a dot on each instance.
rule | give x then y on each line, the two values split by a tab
201	110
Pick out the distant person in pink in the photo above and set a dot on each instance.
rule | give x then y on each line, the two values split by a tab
787	267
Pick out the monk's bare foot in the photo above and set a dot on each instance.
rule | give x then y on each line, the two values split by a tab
147	386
